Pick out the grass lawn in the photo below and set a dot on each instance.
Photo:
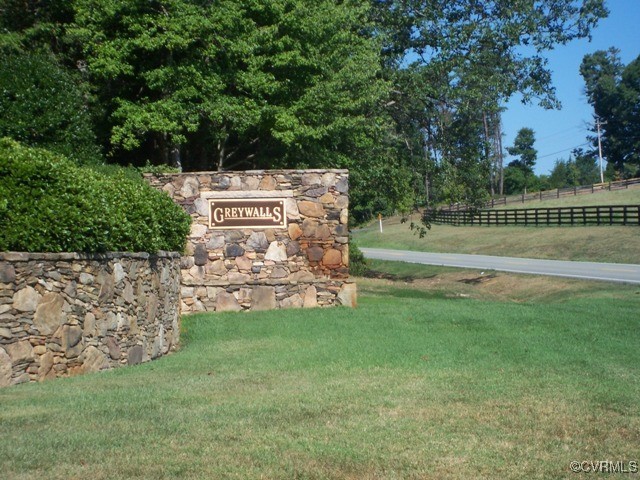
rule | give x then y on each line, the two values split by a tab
596	244
441	374
629	196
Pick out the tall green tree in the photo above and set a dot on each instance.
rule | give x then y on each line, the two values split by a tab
466	61
234	84
614	92
43	105
523	149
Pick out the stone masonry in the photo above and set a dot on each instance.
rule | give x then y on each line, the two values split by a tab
305	264
63	314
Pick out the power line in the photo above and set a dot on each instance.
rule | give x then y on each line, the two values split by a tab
561	132
565	150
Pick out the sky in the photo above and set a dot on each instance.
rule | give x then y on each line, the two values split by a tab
557	132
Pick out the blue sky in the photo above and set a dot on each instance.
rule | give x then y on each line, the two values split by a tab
558	132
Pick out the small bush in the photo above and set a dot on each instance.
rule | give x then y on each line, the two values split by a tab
357	263
49	204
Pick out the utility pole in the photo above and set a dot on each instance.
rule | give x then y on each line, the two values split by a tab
598	123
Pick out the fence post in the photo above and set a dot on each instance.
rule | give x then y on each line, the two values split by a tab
610	215
592	190
557	193
575	190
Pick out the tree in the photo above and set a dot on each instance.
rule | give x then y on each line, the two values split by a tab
586	165
564	174
523	148
614	92
42	105
465	65
233	84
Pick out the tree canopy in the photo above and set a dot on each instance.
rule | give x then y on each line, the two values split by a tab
614	92
406	94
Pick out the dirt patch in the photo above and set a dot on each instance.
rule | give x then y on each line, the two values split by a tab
491	285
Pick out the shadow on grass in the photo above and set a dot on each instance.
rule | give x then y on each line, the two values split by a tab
376	274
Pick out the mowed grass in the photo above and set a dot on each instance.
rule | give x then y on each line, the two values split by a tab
596	244
628	196
435	376
580	243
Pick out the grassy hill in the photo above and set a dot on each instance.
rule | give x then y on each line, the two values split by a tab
592	243
630	196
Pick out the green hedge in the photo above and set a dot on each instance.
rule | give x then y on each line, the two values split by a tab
49	204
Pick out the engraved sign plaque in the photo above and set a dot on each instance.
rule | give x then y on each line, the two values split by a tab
233	213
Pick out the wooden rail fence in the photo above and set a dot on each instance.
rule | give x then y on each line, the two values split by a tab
551	194
592	215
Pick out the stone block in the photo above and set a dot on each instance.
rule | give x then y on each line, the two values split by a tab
258	242
347	295
107	287
315	254
118	273
202	207
216	268
233	250
134	355
21	351
244	263
293	248
310	297
263	298
279	272
277	252
311	209
294	301
26	299
295	232
114	348
216	242
49	315
5	368
45	370
328	179
94	360
310	227
328	199
332	258
342	185
268	183
311	179
190	187
71	340
200	255
7	273
226	302
198	230
291	207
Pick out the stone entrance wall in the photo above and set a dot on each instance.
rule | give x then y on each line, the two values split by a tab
66	313
305	264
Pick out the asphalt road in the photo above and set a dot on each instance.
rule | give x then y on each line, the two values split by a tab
611	272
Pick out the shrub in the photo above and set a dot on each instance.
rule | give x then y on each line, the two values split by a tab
357	263
49	204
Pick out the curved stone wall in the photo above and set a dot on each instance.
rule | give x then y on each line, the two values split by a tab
67	313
